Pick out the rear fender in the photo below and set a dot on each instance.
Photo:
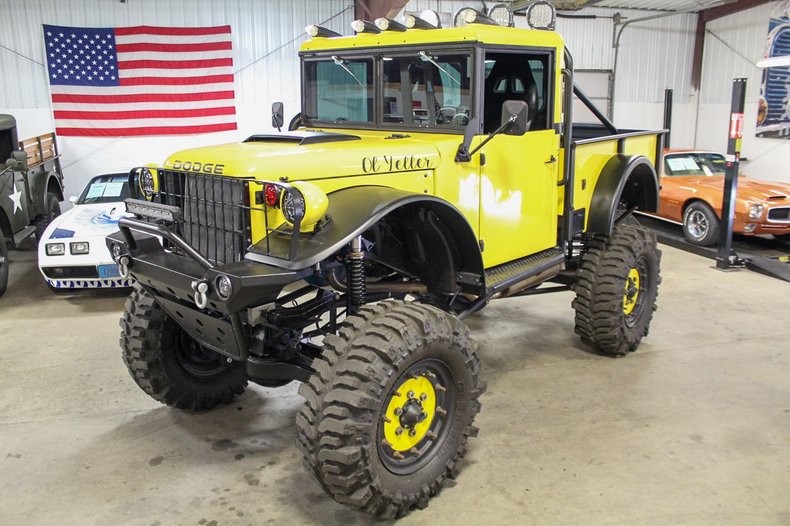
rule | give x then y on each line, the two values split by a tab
630	180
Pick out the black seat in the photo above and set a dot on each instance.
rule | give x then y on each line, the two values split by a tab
510	79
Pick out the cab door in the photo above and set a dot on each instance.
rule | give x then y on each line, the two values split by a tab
16	202
518	183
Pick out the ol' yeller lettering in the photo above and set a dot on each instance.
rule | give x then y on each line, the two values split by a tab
389	163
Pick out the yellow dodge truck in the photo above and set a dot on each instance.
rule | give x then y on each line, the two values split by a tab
429	172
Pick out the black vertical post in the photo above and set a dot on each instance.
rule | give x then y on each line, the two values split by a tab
667	115
727	257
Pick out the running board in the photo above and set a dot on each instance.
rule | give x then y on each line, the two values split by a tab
516	276
522	273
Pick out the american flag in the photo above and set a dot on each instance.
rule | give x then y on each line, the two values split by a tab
141	80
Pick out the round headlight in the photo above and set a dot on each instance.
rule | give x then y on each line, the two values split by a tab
292	204
755	211
224	287
147	182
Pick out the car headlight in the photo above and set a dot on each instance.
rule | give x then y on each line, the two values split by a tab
755	211
79	248
55	249
292	204
146	182
303	202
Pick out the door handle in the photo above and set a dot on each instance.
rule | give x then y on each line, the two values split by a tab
551	160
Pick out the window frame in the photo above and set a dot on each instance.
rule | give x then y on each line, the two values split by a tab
378	103
549	76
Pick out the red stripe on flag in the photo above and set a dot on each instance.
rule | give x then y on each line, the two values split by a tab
175	64
173	48
151	30
152	130
175	81
143	97
144	114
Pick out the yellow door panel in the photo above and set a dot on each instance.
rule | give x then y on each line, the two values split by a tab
518	196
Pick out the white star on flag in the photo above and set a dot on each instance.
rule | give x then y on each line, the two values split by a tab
16	198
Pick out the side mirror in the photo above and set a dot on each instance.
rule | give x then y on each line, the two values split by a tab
463	155
73	199
515	117
278	112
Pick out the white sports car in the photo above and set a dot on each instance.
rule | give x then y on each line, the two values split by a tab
72	253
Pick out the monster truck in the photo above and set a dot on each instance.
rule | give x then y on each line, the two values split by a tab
429	172
31	188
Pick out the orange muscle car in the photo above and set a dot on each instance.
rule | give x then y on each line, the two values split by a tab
692	188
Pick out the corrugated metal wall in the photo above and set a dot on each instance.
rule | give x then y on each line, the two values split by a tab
733	45
266	34
654	55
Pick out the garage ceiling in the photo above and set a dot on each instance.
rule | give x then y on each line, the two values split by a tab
656	5
663	5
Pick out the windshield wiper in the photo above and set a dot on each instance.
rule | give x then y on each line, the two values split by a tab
342	63
427	58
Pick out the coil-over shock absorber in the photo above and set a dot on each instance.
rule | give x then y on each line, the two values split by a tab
355	272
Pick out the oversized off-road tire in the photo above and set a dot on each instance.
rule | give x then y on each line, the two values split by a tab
389	409
616	289
4	262
169	365
700	224
51	211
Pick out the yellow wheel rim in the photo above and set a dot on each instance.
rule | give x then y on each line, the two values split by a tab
410	413
631	291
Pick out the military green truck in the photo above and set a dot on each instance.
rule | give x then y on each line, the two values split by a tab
31	188
429	172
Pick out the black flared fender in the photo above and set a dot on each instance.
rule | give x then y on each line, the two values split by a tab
450	246
631	179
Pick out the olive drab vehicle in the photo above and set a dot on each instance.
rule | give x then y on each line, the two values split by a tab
429	172
31	188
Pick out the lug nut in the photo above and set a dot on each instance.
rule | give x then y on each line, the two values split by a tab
399	431
398	411
422	417
412	432
410	394
423	397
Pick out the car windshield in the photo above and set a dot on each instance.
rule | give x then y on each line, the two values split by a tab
425	89
105	189
694	164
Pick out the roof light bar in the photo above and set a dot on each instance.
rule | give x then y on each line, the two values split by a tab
541	15
473	16
502	15
388	24
320	31
364	26
417	22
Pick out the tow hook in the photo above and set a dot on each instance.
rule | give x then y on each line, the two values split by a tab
201	293
123	266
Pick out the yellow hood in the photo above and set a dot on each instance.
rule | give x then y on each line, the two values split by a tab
310	156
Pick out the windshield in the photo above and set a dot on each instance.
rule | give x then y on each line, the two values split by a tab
423	89
694	164
427	89
339	90
105	189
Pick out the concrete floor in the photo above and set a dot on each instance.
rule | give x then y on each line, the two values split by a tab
694	428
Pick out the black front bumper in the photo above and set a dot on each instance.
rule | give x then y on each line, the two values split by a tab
171	278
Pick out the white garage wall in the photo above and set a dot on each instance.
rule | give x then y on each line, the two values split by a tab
739	42
266	38
653	56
